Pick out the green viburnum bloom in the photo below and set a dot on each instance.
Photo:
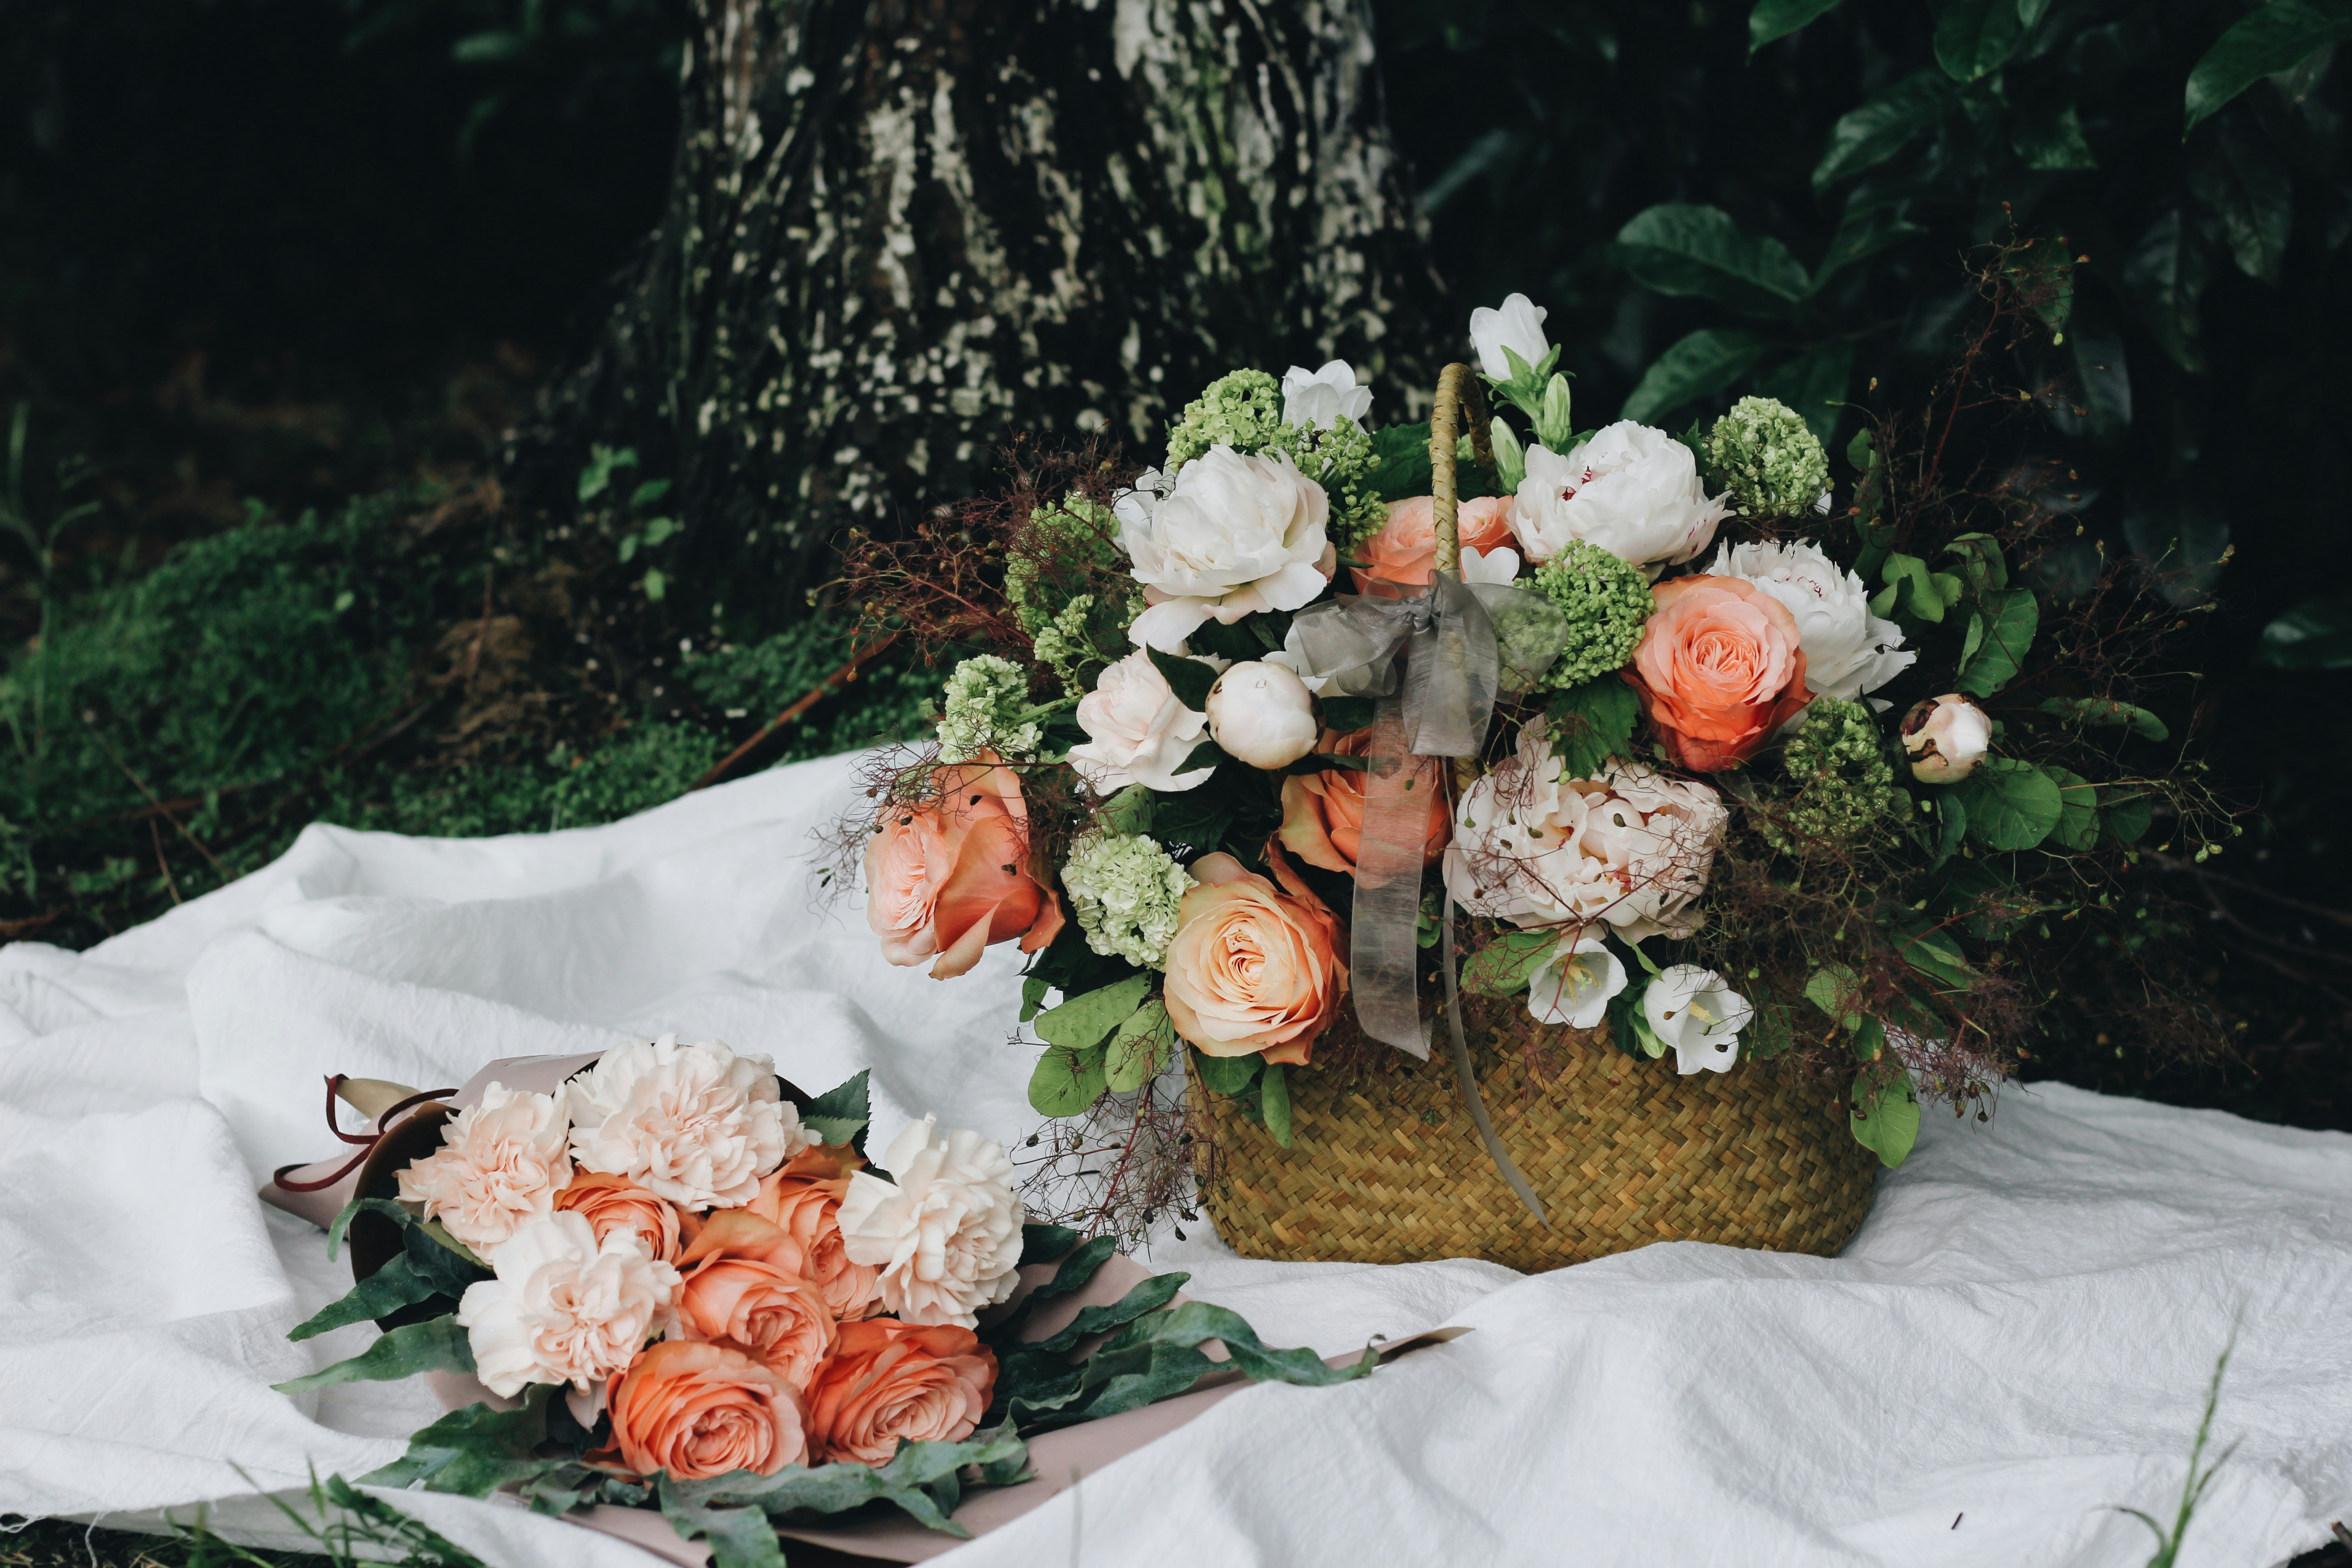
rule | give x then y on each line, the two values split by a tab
1243	410
1062	645
1607	601
1073	530
1767	458
986	707
1124	889
1843	785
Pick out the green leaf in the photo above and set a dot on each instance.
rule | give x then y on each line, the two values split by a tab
1401	462
475	1451
1274	1099
1888	1122
1836	990
1678	247
1974	37
395	1284
2314	635
2053	142
1592	723
1814	384
1865	137
656	585
1869	1041
1931	950
2078	823
649	492
839	1114
2269	38
1128	811
1774	20
1207	754
1865	230
1140	1049
1086	1020
1067	1081
1149	1295
602	461
1921	595
2012	804
437	1345
921	1481
2125	818
2243	181
1156	1357
1952	822
739	1536
1346	715
1033	995
2105	711
1189	678
2012	616
1226	1075
1047	1243
1503	967
2167	274
1697	366
1981	563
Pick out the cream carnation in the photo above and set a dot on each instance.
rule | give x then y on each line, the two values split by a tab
1138	732
1632	848
696	1124
501	1162
1232	534
1633	490
1848	650
946	1235
564	1310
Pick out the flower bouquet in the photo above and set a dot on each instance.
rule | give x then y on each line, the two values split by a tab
1695	801
662	1290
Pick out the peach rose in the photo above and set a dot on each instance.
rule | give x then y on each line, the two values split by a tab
610	1203
950	875
1719	669
1323	813
808	1209
1403	554
1253	967
693	1411
745	1282
890	1380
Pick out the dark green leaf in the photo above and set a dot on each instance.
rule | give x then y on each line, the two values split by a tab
2100	710
2167	274
1951	823
1836	990
1866	229
437	1345
442	1259
1930	950
2012	616
1088	1020
357	1206
1189	678
2053	142
2012	804
395	1284
2244	182
1777	19
1888	1122
1401	469
1207	754
1047	1243
1698	366
1678	247
1197	1320
1504	966
2314	635
2078	822
1814	386
1869	1041
2103	372
1981	563
1274	1091
1226	1075
1346	715
1067	1081
475	1451
2126	816
1147	1297
1974	37
922	1479
1139	1049
1128	811
1032	996
1235	642
1867	137
2182	542
1592	723
2269	38
841	1113
739	1536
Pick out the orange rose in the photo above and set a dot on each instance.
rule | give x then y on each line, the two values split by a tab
611	1203
693	1411
809	1211
745	1282
1719	669
1404	551
891	1380
1323	813
947	877
1251	967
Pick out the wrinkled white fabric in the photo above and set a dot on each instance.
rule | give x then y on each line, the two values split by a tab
2019	1337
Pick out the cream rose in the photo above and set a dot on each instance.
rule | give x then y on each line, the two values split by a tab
1253	967
1848	650
696	1124
501	1162
1231	535
1633	490
946	1235
1137	730
565	1310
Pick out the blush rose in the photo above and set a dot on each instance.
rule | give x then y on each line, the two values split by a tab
809	1211
891	1381
1720	669
693	1411
1403	553
744	1283
946	878
610	1203
1252	966
1323	813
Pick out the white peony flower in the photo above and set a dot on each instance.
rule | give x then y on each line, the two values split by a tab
1946	738
1320	398
1262	713
1500	565
564	1310
1231	535
1576	982
1695	1012
1633	490
1632	848
1518	326
696	1124
501	1162
946	1235
1848	650
1138	732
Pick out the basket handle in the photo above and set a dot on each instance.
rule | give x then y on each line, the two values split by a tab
1458	394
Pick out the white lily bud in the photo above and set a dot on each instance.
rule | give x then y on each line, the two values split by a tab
1946	738
1554	425
1262	714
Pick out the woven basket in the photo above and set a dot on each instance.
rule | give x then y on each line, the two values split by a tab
1384	1167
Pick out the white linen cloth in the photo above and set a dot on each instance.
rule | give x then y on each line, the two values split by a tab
2019	1337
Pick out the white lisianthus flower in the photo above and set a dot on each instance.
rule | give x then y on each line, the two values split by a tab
1575	982
1261	712
696	1124
1691	1009
564	1310
1631	489
1946	737
1518	326
946	1233
1320	398
1632	848
1137	731
1848	650
1231	535
501	1162
1500	565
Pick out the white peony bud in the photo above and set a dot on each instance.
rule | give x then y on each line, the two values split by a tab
1946	737
1263	714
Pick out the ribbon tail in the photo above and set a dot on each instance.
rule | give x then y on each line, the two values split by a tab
1469	1079
1384	951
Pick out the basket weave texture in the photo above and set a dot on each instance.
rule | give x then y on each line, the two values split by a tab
1385	1166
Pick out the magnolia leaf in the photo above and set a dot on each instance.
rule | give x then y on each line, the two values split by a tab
1140	1049
1679	248
1085	1020
2246	185
2269	38
1147	1297
1592	723
1836	990
1047	1243
1207	754
2078	822
2314	635
1067	1080
1226	1075
2101	711
1863	231
2011	618
1813	386
1974	37
1504	966
922	1479
1774	20
1865	137
1273	1101
1697	366
2168	272
437	1345
1189	678
475	1451
1888	1122
2012	804
397	1284
2053	143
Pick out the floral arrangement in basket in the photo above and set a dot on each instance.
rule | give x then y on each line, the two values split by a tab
1705	754
672	1282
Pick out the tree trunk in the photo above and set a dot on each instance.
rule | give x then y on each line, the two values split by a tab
901	231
